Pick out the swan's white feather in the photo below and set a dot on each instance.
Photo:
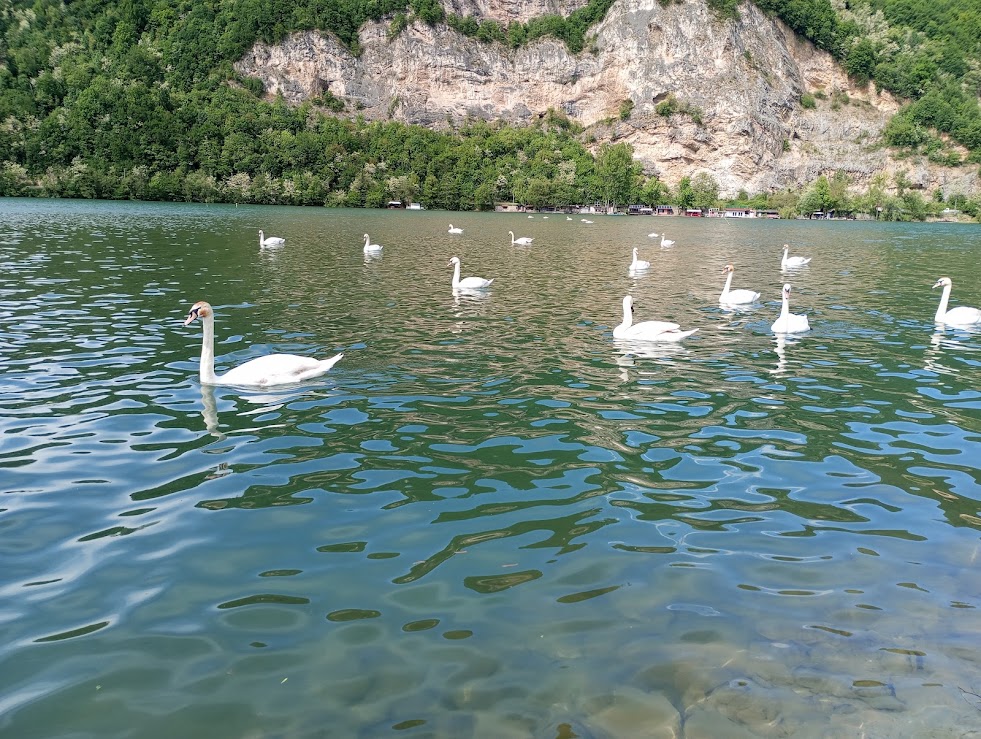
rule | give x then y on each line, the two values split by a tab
736	297
271	369
787	322
270	240
962	315
647	330
792	261
467	283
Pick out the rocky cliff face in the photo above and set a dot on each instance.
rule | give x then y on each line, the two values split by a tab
741	79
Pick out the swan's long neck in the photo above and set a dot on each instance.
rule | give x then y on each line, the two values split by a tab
207	370
783	260
628	317
512	237
785	311
366	240
262	240
942	308
456	275
725	290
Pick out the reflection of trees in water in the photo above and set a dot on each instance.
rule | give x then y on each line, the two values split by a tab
669	447
560	534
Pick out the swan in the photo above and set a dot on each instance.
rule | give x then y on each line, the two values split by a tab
638	264
467	283
666	242
735	297
271	241
568	218
369	247
585	220
272	369
787	322
524	240
962	315
652	236
792	261
454	230
647	330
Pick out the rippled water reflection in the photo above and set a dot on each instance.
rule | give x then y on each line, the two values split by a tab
490	519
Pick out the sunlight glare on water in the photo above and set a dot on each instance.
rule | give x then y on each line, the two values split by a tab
490	519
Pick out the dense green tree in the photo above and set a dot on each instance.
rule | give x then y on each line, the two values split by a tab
705	190
818	197
686	195
616	173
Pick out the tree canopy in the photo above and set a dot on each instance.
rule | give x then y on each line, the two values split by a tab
139	99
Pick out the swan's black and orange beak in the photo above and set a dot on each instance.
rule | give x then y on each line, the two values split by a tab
938	283
195	310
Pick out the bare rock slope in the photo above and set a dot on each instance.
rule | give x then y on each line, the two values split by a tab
741	81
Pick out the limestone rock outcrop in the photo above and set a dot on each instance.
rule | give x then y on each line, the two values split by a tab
740	80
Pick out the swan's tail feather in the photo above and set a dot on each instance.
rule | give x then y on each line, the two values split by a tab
322	367
679	335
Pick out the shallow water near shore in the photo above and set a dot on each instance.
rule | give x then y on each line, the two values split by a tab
490	519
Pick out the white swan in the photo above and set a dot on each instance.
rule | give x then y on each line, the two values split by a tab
271	241
647	330
962	315
792	261
369	247
568	218
652	235
735	297
787	322
454	230
638	265
524	240
467	283
585	220
666	242
272	369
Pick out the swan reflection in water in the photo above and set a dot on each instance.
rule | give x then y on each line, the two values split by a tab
467	304
261	404
474	296
628	353
941	344
209	410
267	403
781	342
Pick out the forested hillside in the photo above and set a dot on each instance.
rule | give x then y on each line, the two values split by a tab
139	99
927	52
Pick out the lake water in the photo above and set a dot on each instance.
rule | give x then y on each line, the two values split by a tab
489	519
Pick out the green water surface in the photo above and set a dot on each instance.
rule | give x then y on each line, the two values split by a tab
490	519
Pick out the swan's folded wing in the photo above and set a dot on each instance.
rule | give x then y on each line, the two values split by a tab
653	327
277	369
963	315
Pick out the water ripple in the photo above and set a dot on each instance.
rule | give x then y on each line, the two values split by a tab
490	518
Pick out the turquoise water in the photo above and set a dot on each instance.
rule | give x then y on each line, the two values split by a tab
489	519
